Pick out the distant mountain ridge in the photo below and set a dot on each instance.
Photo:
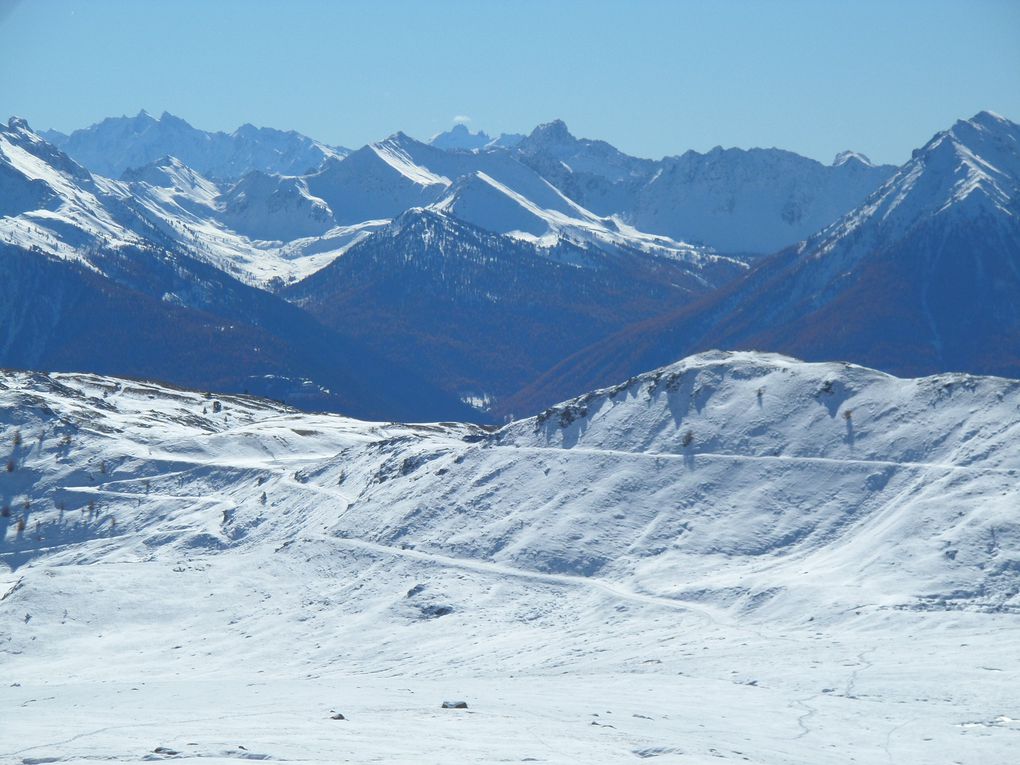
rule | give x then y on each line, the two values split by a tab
460	138
120	143
733	200
738	201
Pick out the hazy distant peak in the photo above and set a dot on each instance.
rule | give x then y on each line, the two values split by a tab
20	124
459	137
851	156
552	132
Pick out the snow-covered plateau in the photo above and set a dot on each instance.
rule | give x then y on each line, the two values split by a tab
736	558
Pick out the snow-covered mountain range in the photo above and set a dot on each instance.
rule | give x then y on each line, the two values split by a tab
736	557
188	243
94	281
518	271
733	201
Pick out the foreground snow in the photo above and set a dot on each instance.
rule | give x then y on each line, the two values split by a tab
709	562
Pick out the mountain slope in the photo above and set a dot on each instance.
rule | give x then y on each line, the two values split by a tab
756	200
921	278
482	314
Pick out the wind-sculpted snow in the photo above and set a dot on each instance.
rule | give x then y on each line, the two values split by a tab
710	561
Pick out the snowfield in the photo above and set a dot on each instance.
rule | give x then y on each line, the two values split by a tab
739	557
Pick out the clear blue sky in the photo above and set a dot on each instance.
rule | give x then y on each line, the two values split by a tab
653	78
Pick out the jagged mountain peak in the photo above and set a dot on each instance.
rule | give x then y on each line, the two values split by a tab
19	124
555	132
971	168
116	144
460	137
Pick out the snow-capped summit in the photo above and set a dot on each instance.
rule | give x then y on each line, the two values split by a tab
552	150
170	173
52	204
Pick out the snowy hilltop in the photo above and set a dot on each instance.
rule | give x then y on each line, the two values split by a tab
810	552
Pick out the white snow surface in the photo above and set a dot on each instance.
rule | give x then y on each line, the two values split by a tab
49	202
711	562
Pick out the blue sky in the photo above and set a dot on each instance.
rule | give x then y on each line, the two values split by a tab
653	78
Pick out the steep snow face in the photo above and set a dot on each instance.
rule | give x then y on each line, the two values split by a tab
482	201
50	203
376	182
175	184
759	200
185	571
119	143
275	208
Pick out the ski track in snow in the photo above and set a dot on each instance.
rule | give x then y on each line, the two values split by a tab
793	459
